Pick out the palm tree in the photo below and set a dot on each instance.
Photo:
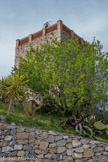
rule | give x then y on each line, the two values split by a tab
16	89
4	83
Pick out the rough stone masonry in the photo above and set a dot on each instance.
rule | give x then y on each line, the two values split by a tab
58	31
35	145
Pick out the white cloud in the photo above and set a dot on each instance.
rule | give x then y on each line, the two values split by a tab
95	26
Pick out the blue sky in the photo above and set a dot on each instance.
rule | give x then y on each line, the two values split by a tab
19	18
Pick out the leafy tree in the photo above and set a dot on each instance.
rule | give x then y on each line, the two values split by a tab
72	78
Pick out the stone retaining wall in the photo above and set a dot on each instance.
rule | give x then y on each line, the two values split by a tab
29	144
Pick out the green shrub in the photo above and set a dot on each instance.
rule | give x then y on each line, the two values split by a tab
67	75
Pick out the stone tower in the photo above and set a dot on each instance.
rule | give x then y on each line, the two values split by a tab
33	40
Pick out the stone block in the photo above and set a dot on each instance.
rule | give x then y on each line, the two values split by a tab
88	153
61	143
21	153
8	138
76	143
18	147
61	150
22	135
43	145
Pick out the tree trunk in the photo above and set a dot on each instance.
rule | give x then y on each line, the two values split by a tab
10	104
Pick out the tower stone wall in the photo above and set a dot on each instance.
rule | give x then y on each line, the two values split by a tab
46	34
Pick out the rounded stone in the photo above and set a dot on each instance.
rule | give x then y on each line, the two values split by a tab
53	145
38	151
79	149
98	149
51	138
65	137
69	152
8	138
61	143
21	153
69	145
41	156
52	133
85	146
53	150
89	160
7	149
76	143
61	150
32	140
18	147
27	148
84	141
68	159
88	153
102	158
20	130
43	145
78	160
22	135
106	148
48	156
94	142
77	155
57	138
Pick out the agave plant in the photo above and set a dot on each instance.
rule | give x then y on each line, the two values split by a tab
84	130
90	120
